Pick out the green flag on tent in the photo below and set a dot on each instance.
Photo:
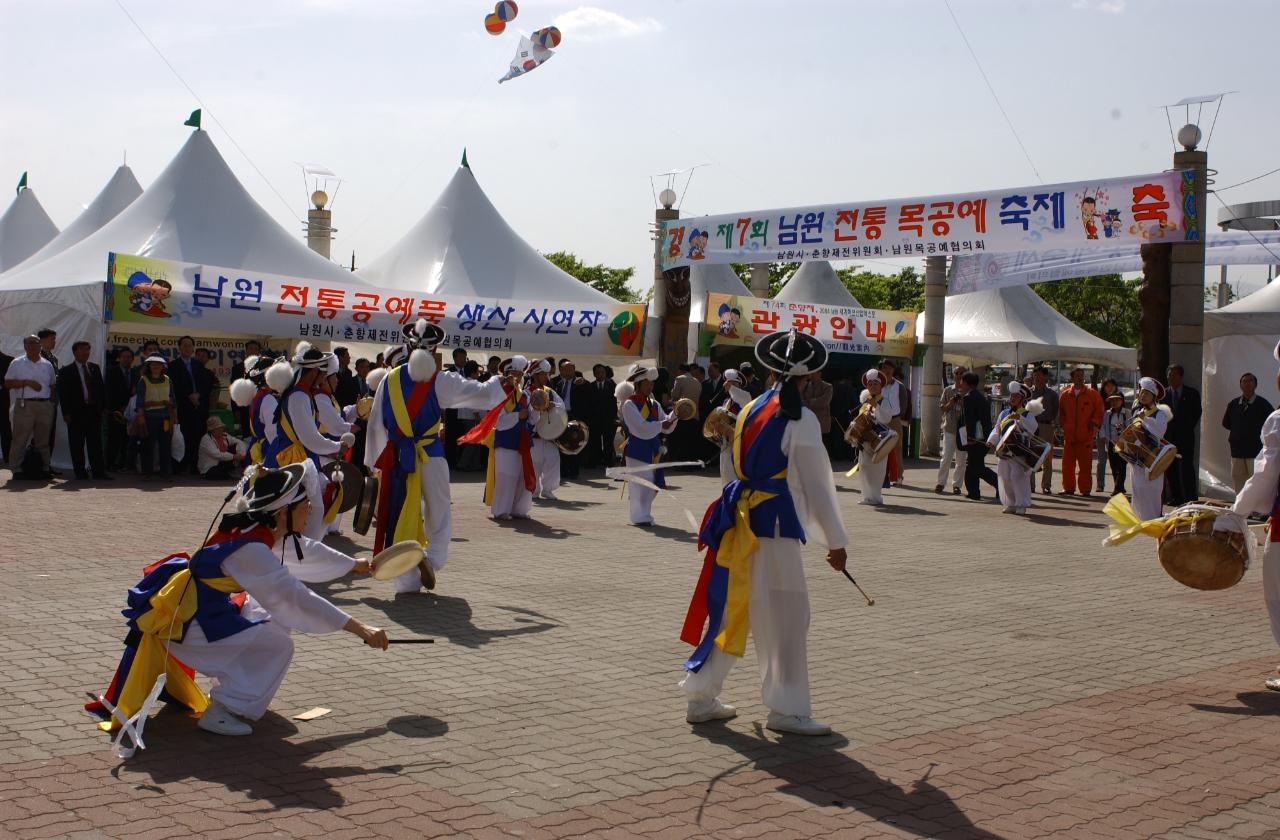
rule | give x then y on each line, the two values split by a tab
465	165
22	183
194	119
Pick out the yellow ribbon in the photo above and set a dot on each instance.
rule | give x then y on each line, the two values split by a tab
1125	524
295	452
410	525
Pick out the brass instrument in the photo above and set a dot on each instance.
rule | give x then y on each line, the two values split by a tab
364	406
720	426
685	409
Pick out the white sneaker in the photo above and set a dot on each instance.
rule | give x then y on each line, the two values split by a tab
701	711
502	517
796	724
549	496
220	721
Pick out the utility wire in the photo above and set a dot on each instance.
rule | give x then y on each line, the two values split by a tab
1264	245
991	88
205	109
1249	181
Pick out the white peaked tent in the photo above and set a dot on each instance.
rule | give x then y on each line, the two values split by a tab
1238	339
24	229
195	212
118	194
462	246
817	282
1015	325
703	280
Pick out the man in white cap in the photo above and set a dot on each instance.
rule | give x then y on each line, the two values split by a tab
546	455
1013	476
242	641
1261	495
645	423
403	442
871	471
1147	491
753	576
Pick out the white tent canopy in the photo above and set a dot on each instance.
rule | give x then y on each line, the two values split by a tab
462	246
195	212
817	282
1015	325
1238	339
24	229
118	194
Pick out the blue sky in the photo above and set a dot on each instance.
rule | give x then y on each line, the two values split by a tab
788	103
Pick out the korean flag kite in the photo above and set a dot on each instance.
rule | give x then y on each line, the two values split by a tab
529	56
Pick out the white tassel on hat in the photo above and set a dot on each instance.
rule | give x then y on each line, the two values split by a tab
422	365
374	378
279	376
1035	407
624	391
242	391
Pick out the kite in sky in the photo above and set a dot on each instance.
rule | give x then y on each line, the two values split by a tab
528	57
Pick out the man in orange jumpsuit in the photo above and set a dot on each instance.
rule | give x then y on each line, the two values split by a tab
1080	415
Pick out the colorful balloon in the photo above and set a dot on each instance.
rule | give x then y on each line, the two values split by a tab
548	37
494	24
506	10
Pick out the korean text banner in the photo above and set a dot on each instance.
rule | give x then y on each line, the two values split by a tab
141	290
995	271
1137	209
739	320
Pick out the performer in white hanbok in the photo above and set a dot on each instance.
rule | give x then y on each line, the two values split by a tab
546	455
870	473
736	400
255	394
508	432
1147	410
403	443
1013	477
645	423
753	578
226	612
1261	495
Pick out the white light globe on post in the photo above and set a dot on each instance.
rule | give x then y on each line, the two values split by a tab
1189	136
319	198
667	198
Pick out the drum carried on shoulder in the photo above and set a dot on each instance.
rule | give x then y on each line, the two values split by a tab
1020	445
1139	447
1207	548
867	433
552	419
720	426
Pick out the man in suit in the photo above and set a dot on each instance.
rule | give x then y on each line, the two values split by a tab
604	417
121	382
1243	421
683	442
187	376
6	429
1184	484
975	425
81	396
563	385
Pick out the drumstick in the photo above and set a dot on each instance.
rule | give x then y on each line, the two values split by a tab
871	602
411	641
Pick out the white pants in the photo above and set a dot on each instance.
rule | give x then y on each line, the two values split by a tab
779	610
315	526
1271	585
249	666
1014	484
433	477
510	496
1146	492
950	450
546	465
641	498
872	476
727	473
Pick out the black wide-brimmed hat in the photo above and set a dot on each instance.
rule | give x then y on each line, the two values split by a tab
423	334
791	353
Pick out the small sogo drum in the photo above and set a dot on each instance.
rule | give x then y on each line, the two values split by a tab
720	426
364	406
552	421
1210	548
685	409
1138	446
574	439
866	433
395	560
1022	446
366	505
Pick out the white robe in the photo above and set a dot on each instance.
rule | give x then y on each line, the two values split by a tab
330	417
871	474
1147	491
301	409
641	498
546	455
250	665
510	496
779	605
452	390
1259	496
1013	479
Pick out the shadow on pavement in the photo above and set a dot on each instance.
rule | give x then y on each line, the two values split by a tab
442	615
815	770
534	528
267	766
1041	519
1254	703
890	508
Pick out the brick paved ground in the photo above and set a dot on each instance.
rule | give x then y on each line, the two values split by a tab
1014	680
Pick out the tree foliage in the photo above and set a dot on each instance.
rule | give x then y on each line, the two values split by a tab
903	291
1106	305
612	281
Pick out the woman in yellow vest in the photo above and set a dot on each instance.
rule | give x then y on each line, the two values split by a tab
158	416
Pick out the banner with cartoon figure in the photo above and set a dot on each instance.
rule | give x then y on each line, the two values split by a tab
739	320
1136	209
182	296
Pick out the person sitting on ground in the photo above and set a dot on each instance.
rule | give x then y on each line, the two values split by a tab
220	453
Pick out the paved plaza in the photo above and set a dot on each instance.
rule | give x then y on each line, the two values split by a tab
1013	680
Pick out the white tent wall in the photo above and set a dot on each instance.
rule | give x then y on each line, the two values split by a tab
118	194
1226	359
24	229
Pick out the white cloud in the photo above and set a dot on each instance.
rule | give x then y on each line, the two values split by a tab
589	23
1110	7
